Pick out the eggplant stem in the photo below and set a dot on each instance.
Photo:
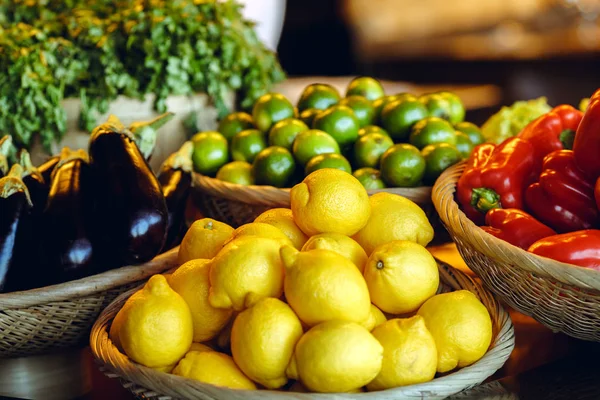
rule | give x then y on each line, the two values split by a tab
5	145
67	155
145	133
24	159
181	159
155	124
3	165
13	183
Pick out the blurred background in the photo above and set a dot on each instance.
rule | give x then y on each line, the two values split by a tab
524	48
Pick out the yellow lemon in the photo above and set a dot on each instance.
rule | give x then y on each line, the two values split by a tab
263	340
192	282
335	357
200	347
261	230
394	217
330	200
283	219
167	370
340	244
409	353
461	327
114	331
401	275
213	368
204	239
247	270
321	285
376	318
156	328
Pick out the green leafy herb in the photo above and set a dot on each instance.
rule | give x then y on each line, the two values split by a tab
96	50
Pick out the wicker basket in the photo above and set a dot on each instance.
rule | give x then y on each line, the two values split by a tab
563	297
238	204
60	316
147	383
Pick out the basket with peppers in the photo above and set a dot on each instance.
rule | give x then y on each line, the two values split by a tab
540	191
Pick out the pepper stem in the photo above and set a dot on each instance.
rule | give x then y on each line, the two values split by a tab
485	199
145	133
13	183
567	137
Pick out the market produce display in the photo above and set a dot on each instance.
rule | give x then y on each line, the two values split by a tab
538	191
81	213
386	141
335	294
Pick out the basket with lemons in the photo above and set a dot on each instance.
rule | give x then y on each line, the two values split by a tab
397	143
336	294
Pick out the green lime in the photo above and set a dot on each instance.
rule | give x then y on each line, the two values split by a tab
402	165
438	157
371	129
312	143
271	108
210	152
368	149
464	144
370	178
457	108
365	86
330	160
308	116
284	132
234	123
239	172
247	144
471	130
385	100
437	105
274	166
341	123
399	116
432	130
318	95
363	109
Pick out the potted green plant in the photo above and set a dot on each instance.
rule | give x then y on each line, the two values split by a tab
64	65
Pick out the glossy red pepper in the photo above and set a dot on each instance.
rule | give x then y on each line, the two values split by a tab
552	131
578	248
597	193
515	227
495	177
587	139
563	198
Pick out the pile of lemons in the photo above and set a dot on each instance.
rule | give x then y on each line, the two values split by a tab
336	294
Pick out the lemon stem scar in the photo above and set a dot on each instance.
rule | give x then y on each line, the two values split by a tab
209	225
379	264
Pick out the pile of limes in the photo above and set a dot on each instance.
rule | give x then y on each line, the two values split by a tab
396	140
335	294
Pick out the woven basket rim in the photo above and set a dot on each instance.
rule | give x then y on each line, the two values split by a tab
273	196
453	217
87	286
109	357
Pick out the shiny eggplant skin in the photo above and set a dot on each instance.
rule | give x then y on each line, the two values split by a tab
176	186
66	242
130	209
46	169
12	211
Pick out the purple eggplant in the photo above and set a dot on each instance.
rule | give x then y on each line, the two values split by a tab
14	205
144	133
47	168
175	177
130	209
67	220
33	179
5	147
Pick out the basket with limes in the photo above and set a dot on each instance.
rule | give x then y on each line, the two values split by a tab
396	143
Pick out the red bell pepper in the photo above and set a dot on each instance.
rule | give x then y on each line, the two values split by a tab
552	131
563	198
597	193
515	227
495	177
578	248
587	139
